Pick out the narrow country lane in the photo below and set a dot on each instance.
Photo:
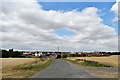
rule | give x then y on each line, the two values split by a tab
63	69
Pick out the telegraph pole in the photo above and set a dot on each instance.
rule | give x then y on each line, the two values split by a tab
58	48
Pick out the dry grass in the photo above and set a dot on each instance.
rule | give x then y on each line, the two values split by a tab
112	60
15	61
23	67
107	72
8	62
0	68
11	62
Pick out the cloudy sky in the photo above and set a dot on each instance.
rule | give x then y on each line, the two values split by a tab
74	26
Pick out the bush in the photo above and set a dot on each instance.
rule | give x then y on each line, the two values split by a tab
94	64
64	56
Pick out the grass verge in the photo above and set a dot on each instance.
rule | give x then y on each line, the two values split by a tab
27	69
88	63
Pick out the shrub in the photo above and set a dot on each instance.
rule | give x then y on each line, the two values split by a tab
94	64
64	56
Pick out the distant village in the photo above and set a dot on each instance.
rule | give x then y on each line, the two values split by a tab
32	54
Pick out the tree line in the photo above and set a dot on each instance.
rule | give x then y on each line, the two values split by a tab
10	53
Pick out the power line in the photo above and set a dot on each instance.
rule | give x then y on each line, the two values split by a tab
96	32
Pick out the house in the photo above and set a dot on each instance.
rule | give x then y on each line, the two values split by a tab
28	54
38	54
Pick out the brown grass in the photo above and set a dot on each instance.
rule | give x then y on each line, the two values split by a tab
0	68
112	60
11	62
15	61
23	67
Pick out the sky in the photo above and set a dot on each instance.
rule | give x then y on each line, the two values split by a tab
105	7
74	26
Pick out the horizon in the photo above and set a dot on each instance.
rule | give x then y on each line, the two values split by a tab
54	51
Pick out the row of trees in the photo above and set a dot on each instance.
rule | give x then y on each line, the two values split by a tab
111	53
11	53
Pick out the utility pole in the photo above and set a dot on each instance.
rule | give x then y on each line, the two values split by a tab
58	48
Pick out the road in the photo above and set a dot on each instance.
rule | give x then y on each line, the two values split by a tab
64	69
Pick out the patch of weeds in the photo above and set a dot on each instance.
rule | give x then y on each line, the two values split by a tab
88	63
28	69
93	64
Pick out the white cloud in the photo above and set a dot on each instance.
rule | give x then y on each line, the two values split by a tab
27	26
115	8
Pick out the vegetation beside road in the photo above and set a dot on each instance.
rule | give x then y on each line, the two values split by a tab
15	61
27	69
84	62
103	70
110	60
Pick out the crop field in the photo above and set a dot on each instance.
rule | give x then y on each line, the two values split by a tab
9	62
0	68
15	61
111	60
23	67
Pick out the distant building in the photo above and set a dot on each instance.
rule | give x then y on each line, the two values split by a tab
38	54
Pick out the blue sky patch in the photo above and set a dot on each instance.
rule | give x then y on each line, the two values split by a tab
64	32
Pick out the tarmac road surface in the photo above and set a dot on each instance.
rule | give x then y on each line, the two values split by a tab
64	69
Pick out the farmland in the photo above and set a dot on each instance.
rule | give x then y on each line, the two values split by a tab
15	61
112	60
96	65
11	62
23	67
0	68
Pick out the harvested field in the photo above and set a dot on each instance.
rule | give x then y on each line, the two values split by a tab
15	61
111	60
26	69
0	68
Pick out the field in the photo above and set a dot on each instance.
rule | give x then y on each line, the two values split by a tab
9	62
23	67
112	60
15	61
108	72
0	68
